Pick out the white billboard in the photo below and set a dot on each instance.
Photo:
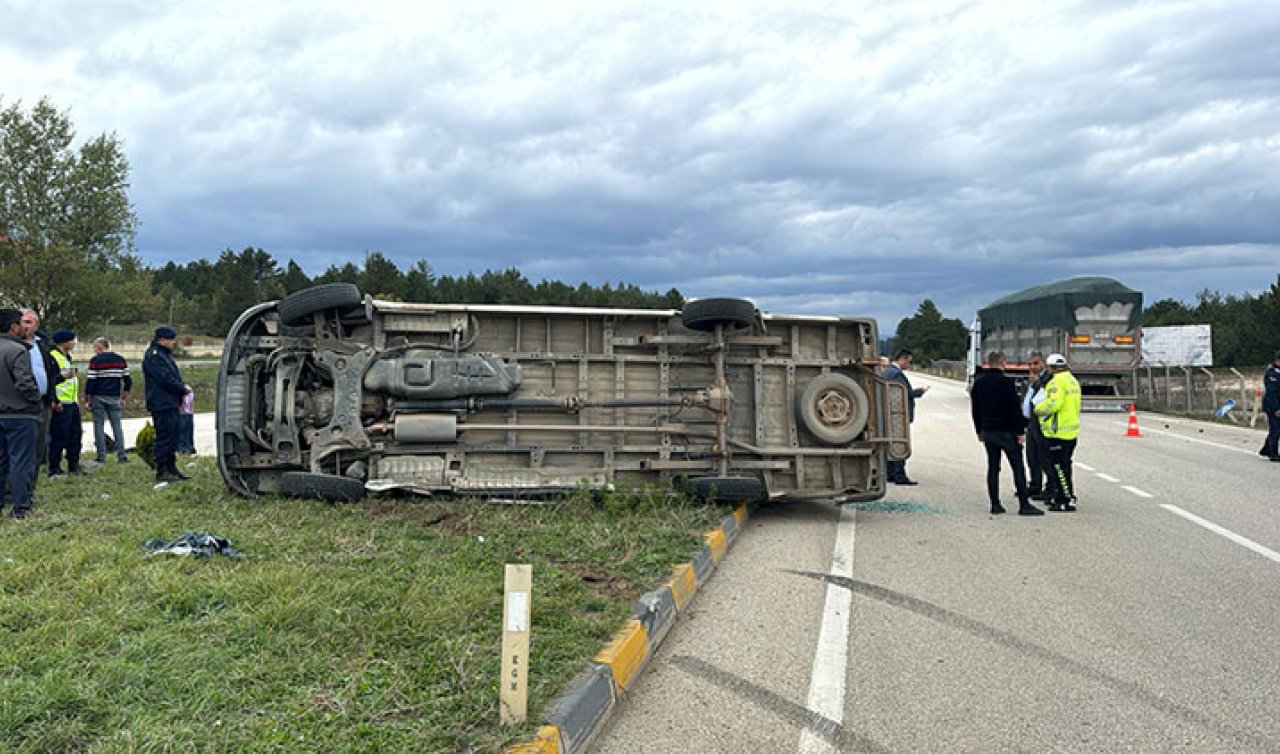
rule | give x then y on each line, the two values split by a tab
1177	346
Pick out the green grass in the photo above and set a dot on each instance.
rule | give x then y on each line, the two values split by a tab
370	627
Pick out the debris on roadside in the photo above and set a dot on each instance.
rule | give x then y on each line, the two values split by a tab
194	544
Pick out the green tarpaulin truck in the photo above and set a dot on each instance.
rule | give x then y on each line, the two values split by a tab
1093	321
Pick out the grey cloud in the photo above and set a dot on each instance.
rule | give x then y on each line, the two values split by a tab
848	156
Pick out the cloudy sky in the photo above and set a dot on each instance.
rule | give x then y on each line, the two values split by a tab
842	157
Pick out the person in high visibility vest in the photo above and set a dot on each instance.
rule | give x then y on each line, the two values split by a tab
1057	408
64	426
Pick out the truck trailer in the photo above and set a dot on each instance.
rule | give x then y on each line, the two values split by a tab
1095	322
332	394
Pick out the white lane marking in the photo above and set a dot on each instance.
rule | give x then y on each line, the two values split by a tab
1242	541
831	658
1106	477
1197	439
1084	466
1136	491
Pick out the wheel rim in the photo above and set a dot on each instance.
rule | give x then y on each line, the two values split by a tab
834	408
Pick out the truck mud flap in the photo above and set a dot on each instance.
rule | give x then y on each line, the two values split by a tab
895	420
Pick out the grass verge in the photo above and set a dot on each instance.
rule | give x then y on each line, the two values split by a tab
369	627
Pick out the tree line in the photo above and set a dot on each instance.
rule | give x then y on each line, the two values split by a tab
208	295
67	250
1246	328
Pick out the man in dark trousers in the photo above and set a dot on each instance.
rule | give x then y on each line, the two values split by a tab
64	427
47	377
1271	407
998	420
897	371
164	391
1037	454
20	411
1057	408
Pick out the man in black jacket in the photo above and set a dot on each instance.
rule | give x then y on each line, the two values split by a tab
998	420
164	391
1271	407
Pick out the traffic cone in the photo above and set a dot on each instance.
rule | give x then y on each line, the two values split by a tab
1132	431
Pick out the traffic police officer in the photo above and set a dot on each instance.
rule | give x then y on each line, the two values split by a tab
1058	411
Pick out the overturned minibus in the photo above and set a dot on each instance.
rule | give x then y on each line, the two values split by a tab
331	394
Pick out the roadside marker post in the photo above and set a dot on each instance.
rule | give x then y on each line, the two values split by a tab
513	696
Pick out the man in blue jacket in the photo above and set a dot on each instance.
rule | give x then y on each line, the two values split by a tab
897	371
164	391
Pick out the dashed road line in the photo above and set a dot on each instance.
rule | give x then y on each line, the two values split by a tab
1262	550
1242	541
1084	466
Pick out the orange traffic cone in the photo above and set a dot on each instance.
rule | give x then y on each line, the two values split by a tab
1132	431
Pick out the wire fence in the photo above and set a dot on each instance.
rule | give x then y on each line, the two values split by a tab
1224	393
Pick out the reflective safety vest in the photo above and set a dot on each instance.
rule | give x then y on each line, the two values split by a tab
68	390
1059	411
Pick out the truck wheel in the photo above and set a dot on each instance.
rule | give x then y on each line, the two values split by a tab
297	307
704	314
724	489
833	408
335	489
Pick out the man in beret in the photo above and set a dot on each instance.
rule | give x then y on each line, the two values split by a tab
64	426
164	391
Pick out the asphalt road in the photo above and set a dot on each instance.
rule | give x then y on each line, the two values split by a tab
1149	620
204	434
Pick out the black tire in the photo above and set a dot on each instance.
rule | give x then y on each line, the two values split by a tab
704	314
724	489
297	307
833	408
335	489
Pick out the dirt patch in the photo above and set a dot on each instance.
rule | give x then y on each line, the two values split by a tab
608	585
435	517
